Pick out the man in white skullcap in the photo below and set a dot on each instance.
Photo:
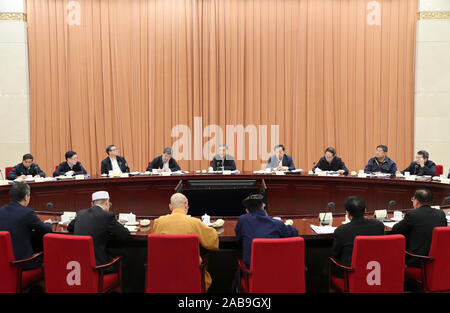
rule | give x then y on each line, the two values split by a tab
101	224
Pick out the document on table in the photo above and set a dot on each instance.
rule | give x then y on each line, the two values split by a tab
323	229
389	224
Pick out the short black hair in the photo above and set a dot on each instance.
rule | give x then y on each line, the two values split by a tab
27	156
331	150
385	148
424	154
70	154
167	151
424	195
109	148
18	191
355	205
278	146
253	202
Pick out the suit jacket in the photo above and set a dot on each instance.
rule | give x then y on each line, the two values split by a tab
228	163
415	169
388	166
258	225
101	225
64	168
106	165
20	221
20	169
287	161
345	234
158	163
336	165
417	226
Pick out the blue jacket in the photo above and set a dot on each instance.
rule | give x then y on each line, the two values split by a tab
388	166
20	169
287	161
415	169
336	165
259	225
20	221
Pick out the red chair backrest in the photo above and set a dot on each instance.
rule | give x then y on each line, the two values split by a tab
277	265
68	264
439	170
7	170
438	271
378	263
173	264
8	273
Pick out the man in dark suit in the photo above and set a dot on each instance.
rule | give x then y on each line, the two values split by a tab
257	224
101	224
222	159
381	163
164	162
20	221
27	167
344	235
114	162
422	165
331	162
71	166
280	161
418	224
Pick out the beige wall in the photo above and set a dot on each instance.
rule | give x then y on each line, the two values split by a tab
14	95
432	100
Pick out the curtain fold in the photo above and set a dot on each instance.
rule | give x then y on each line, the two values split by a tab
140	74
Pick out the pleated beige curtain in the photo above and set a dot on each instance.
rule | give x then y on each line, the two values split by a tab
133	70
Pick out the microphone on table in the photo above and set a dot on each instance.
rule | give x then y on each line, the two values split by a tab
445	200
323	221
416	167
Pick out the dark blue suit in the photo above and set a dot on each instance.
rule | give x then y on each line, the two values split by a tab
287	161
388	166
158	163
20	169
20	221
259	225
106	165
415	169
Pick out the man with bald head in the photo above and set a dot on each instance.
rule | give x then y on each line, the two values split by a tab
177	222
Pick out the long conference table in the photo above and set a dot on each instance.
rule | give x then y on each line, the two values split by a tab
298	197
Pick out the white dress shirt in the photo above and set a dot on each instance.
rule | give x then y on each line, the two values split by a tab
115	166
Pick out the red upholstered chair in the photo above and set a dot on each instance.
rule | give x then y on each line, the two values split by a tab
434	273
12	277
7	170
69	263
173	264
276	266
439	170
378	264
